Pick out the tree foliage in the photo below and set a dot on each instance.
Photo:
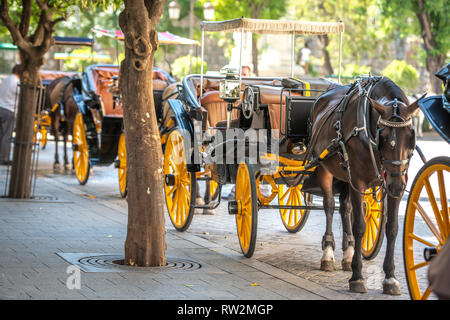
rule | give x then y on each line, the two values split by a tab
180	66
403	16
364	36
403	74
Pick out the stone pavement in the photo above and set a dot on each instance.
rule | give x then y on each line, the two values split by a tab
88	223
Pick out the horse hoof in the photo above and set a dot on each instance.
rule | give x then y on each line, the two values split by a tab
56	167
346	265
67	167
357	286
327	265
392	287
199	201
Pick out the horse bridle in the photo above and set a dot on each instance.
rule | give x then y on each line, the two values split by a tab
374	145
392	141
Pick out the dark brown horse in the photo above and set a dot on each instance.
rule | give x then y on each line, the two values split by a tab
367	131
60	103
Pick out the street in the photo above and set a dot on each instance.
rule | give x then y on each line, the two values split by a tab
298	254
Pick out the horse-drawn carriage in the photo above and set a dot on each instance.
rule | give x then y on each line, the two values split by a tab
427	217
252	131
43	120
98	137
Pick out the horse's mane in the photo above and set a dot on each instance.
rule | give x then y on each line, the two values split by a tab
387	88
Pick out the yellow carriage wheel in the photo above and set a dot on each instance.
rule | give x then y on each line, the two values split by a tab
266	198
374	217
214	189
43	131
80	150
122	169
180	186
293	219
247	208
427	223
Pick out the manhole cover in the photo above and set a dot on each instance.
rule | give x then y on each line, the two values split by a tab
97	262
44	198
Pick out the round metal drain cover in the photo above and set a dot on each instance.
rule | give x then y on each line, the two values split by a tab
115	262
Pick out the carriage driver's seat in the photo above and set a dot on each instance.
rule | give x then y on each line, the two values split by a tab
217	110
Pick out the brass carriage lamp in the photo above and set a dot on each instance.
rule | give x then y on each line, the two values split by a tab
229	89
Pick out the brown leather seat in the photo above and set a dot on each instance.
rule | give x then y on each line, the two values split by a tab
106	99
216	108
271	96
103	77
159	84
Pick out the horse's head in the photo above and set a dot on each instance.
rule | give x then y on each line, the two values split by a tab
395	139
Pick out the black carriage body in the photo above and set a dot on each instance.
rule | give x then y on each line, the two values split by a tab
295	115
437	115
94	98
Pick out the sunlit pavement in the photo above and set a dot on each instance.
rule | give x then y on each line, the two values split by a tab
298	254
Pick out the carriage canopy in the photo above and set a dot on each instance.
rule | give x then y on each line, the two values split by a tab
273	26
163	37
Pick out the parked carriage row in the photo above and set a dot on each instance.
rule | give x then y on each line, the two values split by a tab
209	107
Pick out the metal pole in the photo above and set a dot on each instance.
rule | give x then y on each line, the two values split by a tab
240	58
292	54
229	114
191	32
201	66
340	57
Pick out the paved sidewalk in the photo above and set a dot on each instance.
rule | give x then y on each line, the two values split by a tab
33	234
88	223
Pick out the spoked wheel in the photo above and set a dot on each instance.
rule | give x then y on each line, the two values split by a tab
427	224
214	189
80	150
122	168
246	208
375	218
44	134
180	186
293	219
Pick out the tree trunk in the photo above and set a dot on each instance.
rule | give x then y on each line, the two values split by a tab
326	56
145	243
255	12
434	62
20	181
255	54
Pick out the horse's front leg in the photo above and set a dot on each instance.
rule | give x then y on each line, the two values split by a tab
67	166
325	180
56	165
348	241
390	283
357	283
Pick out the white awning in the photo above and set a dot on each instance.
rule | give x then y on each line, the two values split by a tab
273	26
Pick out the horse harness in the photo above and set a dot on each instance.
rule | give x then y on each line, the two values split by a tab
338	145
61	100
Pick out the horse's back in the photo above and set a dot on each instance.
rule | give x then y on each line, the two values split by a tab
324	105
53	91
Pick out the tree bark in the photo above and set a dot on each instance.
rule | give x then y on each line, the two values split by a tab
255	11
20	181
32	49
255	54
434	61
326	55
145	242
